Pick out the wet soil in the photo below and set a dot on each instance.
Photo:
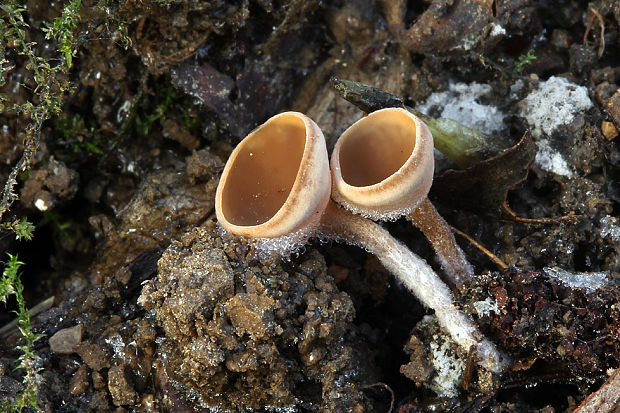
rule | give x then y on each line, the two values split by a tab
156	308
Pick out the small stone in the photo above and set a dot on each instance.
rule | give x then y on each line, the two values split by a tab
123	275
99	402
613	107
79	381
93	356
177	132
560	39
98	381
202	165
148	403
66	340
604	91
251	314
120	388
609	130
581	57
605	74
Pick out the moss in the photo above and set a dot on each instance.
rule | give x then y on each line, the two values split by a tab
29	361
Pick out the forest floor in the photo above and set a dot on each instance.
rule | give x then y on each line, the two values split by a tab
147	305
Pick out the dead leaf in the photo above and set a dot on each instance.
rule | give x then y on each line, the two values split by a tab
483	187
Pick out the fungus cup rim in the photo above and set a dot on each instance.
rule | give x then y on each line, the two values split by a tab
400	192
308	196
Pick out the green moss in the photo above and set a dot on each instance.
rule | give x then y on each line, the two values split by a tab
80	137
63	29
167	105
524	61
51	85
22	228
29	361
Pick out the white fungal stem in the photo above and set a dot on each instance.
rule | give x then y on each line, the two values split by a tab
436	229
417	276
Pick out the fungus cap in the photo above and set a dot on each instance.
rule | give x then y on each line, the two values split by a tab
382	165
276	181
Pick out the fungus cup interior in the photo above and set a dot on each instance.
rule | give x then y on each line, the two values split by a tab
276	181
370	152
263	172
383	164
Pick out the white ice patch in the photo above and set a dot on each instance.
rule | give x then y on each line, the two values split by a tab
589	281
460	103
486	307
554	103
374	214
117	344
41	205
280	247
449	370
284	246
610	228
551	161
497	30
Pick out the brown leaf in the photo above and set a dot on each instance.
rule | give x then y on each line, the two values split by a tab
483	187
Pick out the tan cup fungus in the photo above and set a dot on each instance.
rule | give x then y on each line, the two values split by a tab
276	181
382	168
276	184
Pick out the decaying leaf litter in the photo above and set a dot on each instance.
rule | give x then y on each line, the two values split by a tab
177	315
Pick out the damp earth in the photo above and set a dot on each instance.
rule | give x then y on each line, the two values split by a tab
147	305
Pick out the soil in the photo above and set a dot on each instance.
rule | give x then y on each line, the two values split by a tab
156	308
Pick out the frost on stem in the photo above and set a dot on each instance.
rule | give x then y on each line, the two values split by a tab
285	245
417	276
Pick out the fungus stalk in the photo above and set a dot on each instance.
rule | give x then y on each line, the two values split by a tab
275	188
416	275
452	259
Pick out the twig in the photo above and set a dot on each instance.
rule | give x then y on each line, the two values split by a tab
44	305
601	44
501	264
538	221
385	386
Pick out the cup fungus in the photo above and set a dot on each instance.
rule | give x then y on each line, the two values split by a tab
382	168
277	183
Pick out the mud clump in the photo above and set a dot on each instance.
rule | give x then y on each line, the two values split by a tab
549	326
239	334
164	205
49	185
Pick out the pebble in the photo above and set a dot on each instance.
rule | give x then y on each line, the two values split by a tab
609	130
66	340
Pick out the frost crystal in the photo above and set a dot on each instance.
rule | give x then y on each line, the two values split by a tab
448	367
284	246
375	215
486	307
589	281
551	161
610	228
554	103
461	103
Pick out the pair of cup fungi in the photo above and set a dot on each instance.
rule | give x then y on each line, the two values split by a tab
277	186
